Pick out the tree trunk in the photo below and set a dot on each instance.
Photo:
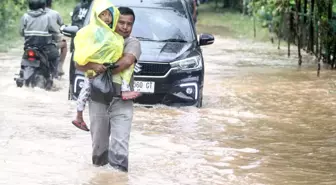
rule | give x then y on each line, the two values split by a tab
290	28
330	11
298	26
305	7
254	20
304	27
311	26
226	3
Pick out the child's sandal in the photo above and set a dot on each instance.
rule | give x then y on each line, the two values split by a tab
80	125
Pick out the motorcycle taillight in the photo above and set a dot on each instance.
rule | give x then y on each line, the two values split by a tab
31	55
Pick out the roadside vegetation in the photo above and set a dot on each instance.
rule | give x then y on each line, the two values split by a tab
228	23
11	12
308	24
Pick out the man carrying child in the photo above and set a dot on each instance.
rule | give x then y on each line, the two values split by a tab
114	118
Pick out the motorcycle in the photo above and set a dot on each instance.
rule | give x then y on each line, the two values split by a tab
36	70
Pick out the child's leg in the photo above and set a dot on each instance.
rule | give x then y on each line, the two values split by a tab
81	102
83	96
126	93
125	86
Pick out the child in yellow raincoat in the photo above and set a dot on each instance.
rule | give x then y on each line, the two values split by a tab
98	43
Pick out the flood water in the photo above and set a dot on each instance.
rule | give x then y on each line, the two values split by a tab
264	121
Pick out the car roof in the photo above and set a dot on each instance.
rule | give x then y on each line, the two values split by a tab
179	5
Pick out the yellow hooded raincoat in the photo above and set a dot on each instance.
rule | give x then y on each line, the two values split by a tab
99	43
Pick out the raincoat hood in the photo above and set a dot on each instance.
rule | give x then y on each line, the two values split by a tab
98	7
99	43
36	13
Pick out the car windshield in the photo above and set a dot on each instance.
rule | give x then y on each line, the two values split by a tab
161	25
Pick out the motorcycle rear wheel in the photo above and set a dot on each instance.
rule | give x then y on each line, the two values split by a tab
40	81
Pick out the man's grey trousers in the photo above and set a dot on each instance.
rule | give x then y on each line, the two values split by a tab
110	127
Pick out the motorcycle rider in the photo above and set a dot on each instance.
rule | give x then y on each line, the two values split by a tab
193	9
60	43
38	29
78	16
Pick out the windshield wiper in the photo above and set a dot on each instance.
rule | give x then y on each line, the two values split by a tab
172	40
165	40
145	39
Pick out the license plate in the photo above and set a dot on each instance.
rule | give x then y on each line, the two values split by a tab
144	86
35	63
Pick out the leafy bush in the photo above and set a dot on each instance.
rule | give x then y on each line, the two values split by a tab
11	12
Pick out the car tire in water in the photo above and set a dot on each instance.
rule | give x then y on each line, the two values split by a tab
70	92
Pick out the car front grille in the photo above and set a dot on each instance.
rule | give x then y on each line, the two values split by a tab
152	69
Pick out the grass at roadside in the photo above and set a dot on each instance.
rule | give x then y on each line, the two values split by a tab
230	24
64	9
11	38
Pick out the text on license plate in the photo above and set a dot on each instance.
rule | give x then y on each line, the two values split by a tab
144	86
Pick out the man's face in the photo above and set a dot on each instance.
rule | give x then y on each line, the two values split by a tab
125	25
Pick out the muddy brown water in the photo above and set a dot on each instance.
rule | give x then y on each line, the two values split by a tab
264	121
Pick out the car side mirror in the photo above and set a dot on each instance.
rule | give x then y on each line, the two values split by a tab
206	39
69	31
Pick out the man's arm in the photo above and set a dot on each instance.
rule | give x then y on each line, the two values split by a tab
131	54
82	68
54	29
194	9
124	62
98	68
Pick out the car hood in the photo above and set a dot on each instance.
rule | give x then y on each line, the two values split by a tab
164	51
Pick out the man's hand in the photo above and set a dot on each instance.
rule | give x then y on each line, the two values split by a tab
98	68
124	62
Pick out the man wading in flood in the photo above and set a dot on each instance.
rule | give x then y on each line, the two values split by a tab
114	118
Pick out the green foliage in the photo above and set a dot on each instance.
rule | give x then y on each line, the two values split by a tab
311	24
11	12
228	23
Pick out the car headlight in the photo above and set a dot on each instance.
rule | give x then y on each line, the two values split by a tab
188	63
